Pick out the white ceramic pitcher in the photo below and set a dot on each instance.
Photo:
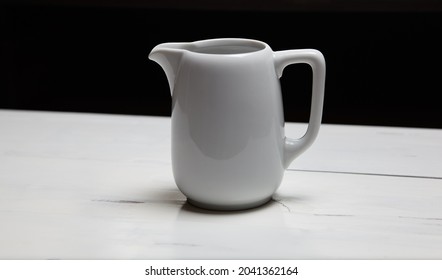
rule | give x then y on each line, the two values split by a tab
229	150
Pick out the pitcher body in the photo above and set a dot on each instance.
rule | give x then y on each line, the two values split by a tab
229	150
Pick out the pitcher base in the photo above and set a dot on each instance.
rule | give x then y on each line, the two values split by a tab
235	207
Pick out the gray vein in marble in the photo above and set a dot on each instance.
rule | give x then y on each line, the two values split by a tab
420	218
281	203
139	202
368	174
334	215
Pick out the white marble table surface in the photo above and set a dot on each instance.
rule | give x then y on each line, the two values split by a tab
93	186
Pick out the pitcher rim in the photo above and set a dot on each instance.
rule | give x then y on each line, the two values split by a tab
255	46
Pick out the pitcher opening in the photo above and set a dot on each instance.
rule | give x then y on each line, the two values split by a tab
226	46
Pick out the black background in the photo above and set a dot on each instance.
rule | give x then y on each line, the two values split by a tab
383	67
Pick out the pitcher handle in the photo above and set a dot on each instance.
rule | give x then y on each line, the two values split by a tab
314	58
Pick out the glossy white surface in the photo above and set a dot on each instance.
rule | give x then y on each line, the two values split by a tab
229	149
90	186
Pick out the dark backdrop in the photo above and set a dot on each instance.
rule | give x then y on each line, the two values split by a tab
383	67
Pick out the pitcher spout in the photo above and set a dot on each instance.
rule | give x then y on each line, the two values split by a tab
168	56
